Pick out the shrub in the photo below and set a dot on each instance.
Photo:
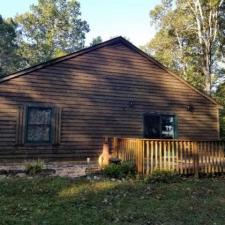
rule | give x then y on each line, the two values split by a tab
34	167
163	176
122	170
113	170
128	168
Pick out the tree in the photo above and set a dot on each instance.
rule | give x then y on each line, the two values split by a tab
9	60
190	39
50	29
220	96
96	41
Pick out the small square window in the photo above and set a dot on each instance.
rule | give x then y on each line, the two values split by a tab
38	125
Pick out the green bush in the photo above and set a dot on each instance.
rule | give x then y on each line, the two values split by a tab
163	176
113	170
122	170
35	167
128	168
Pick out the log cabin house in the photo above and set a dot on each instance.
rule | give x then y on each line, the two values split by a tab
64	107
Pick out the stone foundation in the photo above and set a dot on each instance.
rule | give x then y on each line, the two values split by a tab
71	169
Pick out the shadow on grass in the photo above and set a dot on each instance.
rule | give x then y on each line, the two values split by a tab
63	201
57	201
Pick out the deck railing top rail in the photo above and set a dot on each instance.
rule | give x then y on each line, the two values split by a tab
152	139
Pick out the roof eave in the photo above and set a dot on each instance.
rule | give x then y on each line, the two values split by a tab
156	62
59	59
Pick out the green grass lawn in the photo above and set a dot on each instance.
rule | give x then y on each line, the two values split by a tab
43	201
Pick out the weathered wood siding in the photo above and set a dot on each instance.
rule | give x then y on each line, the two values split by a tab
93	91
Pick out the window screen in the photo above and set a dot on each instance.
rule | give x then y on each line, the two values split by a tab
38	125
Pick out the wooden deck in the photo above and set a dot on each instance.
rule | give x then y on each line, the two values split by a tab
181	156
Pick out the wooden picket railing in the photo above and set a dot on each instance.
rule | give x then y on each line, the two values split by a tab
181	156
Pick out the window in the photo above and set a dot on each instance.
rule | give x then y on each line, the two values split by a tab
167	127
38	125
159	126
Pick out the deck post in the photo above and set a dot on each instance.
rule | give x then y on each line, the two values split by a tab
115	147
196	159
140	157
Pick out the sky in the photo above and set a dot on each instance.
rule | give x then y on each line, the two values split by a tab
107	18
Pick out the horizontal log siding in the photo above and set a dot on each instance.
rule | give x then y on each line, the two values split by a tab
93	91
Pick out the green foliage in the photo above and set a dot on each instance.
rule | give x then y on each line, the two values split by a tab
96	41
112	170
220	96
50	29
128	168
42	201
35	167
9	59
190	39
122	170
222	123
163	176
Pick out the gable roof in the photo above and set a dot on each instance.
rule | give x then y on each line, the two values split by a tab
103	44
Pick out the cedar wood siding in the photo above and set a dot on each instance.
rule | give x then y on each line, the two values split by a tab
93	91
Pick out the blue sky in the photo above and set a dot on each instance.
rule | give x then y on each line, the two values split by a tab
107	18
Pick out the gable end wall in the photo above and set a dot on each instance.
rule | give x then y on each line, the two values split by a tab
93	92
